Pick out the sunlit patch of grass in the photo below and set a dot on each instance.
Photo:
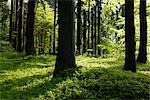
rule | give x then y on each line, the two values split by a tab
145	73
20	73
92	62
144	68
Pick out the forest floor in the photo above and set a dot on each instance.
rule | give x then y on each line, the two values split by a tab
30	77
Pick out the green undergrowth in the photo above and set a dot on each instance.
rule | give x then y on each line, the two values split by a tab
30	78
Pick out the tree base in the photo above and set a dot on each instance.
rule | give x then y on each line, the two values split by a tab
141	59
129	68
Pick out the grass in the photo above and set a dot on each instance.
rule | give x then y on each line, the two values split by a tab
30	77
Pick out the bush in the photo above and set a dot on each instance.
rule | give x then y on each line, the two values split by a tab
102	83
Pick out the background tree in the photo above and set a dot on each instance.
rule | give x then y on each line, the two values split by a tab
84	30
129	36
11	21
142	56
88	36
20	28
44	23
4	15
66	46
54	37
29	48
16	12
79	22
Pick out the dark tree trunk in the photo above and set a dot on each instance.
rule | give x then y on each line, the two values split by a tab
88	36
129	36
16	19
79	26
92	29
99	30
84	31
11	22
54	37
95	25
66	46
41	49
20	28
142	56
29	48
50	44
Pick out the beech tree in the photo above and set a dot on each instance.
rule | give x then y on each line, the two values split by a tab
66	46
142	56
130	43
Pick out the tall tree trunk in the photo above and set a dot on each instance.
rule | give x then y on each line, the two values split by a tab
66	46
29	48
88	36
54	37
84	31
11	22
95	28
79	26
142	56
16	12
92	30
129	36
99	28
20	28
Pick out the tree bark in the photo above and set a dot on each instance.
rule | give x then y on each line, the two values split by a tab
66	46
20	28
84	31
99	28
129	36
142	56
88	36
95	28
29	48
79	26
11	22
16	12
54	37
92	30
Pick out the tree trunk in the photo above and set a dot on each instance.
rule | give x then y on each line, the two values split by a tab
88	36
20	28
84	31
92	30
129	36
66	46
29	48
16	12
142	56
99	28
79	26
95	25
11	22
54	37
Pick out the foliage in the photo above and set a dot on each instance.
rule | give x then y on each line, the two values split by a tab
44	19
4	13
5	46
112	29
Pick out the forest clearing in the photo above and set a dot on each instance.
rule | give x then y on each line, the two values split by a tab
75	50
